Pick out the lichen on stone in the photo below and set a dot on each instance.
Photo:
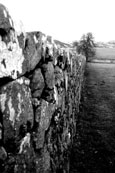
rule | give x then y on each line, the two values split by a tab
35	39
13	61
11	111
5	13
56	95
25	142
3	98
19	105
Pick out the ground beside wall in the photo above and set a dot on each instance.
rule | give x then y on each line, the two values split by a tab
40	90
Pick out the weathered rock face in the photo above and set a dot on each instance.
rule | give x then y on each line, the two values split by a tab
19	54
37	83
43	116
48	71
5	18
32	50
16	109
40	89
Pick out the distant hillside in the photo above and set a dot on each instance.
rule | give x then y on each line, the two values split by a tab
62	44
110	44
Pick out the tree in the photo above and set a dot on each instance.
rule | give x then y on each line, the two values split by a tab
75	44
86	45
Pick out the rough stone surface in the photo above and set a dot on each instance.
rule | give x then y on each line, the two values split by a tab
32	50
43	117
21	40
9	65
40	90
11	57
48	71
16	110
48	95
5	18
59	76
37	83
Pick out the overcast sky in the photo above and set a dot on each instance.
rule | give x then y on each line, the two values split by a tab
66	20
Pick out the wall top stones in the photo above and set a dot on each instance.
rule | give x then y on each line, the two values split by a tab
27	48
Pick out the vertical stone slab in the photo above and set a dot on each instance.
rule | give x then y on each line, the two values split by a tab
43	117
32	50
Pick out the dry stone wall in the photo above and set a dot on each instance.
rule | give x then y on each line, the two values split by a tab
40	89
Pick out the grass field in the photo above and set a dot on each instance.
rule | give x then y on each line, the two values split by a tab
105	53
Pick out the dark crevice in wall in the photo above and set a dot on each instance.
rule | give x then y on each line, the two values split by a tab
3	33
5	80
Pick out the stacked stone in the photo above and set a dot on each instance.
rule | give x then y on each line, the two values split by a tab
40	88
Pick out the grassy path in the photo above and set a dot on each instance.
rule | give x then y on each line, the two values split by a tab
94	144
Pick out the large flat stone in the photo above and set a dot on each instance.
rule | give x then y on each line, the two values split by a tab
16	109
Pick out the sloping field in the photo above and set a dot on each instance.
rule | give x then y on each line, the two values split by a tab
105	53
